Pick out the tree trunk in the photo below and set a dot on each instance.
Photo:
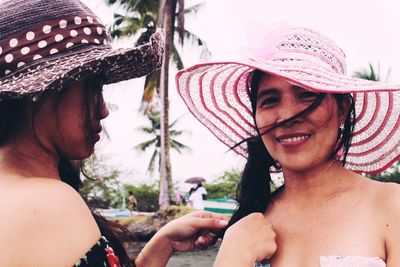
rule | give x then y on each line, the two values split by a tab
165	167
160	14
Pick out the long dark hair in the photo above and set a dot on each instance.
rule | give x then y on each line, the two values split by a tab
254	190
11	117
13	114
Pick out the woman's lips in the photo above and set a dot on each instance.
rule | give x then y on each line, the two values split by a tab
97	137
293	140
96	134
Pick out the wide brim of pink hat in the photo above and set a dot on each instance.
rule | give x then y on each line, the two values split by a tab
217	95
52	73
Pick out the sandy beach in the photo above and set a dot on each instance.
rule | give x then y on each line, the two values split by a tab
197	258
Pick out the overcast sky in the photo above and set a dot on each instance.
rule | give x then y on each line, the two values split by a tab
367	30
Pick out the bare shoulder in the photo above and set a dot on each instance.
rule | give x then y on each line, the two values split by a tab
45	198
387	211
386	195
49	223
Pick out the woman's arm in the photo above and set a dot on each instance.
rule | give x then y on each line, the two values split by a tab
195	230
248	241
390	206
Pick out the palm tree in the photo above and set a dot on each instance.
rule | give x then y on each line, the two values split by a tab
140	18
370	74
155	142
143	17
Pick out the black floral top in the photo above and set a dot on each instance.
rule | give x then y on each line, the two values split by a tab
100	255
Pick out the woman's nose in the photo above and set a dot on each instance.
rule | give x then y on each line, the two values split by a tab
104	111
288	112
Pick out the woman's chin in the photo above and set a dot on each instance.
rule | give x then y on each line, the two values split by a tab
82	154
301	166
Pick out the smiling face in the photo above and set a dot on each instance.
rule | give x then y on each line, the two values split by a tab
300	143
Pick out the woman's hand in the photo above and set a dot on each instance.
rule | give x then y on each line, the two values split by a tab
246	242
194	230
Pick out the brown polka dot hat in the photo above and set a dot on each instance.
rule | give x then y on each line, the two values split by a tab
46	43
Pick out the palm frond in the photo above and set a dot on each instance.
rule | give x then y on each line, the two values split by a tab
154	130
118	19
155	119
176	121
125	27
176	132
149	92
178	147
194	9
144	6
110	2
371	74
145	145
148	130
151	166
176	58
374	75
197	41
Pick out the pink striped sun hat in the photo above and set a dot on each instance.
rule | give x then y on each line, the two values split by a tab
217	93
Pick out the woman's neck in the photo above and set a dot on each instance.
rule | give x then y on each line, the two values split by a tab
26	157
318	182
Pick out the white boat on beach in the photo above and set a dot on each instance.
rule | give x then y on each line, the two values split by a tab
220	205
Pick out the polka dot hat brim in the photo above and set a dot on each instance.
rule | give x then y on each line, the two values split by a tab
217	94
44	44
51	73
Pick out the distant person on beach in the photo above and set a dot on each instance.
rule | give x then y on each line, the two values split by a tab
289	107
187	197
196	199
55	56
132	205
178	198
202	191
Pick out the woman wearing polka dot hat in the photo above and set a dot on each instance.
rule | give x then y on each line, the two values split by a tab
55	56
44	44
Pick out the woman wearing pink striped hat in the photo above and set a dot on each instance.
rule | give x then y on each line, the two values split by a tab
288	106
55	56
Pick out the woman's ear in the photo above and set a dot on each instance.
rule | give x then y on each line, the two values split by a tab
344	108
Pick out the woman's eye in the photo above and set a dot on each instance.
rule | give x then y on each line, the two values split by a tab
269	101
307	95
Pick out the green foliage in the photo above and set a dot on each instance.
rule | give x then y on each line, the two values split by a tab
154	143
146	195
138	19
371	74
220	190
101	187
224	186
230	176
390	175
